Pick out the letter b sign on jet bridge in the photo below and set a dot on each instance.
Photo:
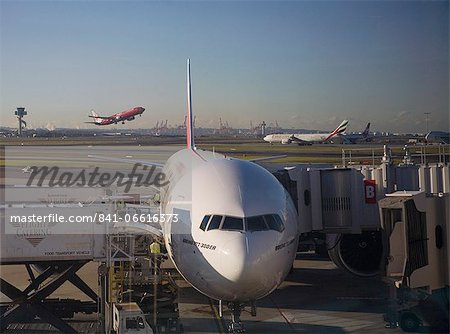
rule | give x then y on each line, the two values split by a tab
370	191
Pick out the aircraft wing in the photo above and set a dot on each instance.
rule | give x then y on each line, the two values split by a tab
297	140
102	117
130	161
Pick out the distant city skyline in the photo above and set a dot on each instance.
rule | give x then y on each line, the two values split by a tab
303	64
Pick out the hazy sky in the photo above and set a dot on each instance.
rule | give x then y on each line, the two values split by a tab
304	64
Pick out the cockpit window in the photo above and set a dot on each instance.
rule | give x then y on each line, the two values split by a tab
256	223
274	222
263	223
268	222
232	223
214	224
205	222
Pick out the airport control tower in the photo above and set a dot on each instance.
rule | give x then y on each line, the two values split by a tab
20	112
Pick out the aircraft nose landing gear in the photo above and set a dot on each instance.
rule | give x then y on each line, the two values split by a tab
236	324
236	308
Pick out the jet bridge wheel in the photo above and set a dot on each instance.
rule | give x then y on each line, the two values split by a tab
359	254
409	322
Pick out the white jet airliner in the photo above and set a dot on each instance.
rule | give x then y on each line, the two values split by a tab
236	232
305	138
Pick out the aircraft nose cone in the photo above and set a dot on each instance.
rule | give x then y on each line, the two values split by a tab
235	251
247	267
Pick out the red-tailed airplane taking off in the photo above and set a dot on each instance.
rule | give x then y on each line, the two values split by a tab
123	116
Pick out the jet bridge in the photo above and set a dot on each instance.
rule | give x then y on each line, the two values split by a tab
416	230
337	213
331	200
338	208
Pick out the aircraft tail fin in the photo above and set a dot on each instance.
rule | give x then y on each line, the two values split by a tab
95	116
189	119
340	129
366	131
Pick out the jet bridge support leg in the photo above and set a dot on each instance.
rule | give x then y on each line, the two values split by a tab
30	302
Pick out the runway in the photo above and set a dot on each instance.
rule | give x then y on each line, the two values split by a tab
77	158
316	297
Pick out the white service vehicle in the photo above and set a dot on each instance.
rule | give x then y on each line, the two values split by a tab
128	318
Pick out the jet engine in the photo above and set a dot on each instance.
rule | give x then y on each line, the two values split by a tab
286	141
130	118
359	254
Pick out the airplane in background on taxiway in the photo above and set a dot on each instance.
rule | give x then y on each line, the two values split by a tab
305	138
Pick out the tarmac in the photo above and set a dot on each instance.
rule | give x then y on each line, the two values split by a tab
316	297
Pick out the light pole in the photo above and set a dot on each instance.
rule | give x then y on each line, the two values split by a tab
426	121
426	132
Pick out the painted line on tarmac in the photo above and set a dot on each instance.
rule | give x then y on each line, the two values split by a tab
220	322
361	298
